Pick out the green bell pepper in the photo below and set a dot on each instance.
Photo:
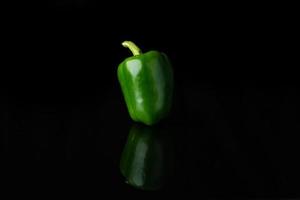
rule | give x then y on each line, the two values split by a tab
147	158
146	81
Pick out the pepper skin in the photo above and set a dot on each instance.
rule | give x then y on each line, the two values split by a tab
146	81
147	158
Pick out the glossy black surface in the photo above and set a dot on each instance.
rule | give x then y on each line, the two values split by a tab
64	124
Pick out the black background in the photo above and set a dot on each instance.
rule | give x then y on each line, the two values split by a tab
235	114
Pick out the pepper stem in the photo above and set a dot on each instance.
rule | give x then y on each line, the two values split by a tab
132	47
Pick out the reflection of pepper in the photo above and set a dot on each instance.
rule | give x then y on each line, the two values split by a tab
147	84
147	157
